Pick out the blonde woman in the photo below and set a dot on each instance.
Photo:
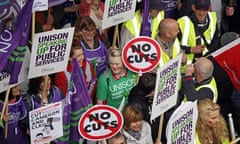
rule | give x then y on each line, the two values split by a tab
114	84
211	127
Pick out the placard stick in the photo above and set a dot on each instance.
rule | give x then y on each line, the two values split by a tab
5	102
231	127
6	124
33	25
160	127
44	91
5	109
115	36
104	142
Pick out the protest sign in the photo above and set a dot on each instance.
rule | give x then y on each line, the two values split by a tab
141	54
50	52
40	5
46	123
181	125
4	81
117	11
166	90
100	122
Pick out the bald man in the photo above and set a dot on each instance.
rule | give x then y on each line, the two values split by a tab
204	85
167	39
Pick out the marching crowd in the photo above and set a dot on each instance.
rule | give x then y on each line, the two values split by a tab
193	28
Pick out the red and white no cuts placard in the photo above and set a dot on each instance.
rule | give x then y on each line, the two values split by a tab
141	54
100	122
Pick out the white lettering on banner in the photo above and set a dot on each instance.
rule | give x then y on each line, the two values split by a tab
122	85
13	117
5	41
10	11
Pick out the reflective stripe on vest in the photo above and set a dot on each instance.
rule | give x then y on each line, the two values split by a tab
175	51
189	35
134	25
197	141
212	85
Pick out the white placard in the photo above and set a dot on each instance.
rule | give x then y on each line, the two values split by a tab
182	123
166	90
50	52
46	123
117	11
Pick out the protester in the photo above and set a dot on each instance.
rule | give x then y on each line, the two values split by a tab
94	49
211	127
94	9
231	14
135	129
199	34
205	85
142	95
184	7
17	112
115	83
168	31
41	92
62	79
117	139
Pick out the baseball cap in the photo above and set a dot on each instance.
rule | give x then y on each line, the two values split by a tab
202	4
156	4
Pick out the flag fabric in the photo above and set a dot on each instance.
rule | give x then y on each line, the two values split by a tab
13	43
66	120
228	58
77	101
146	26
55	2
8	10
80	99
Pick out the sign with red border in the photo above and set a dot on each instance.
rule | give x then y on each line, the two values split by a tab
100	122
141	54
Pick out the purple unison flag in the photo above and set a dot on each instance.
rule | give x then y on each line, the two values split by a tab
146	26
80	99
13	43
8	10
55	2
66	119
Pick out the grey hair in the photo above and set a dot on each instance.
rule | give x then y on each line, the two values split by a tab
204	67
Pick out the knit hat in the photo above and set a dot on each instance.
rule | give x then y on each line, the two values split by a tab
202	4
156	4
228	37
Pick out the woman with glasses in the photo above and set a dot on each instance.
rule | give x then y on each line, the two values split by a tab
94	49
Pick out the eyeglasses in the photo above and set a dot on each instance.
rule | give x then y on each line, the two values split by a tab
86	30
